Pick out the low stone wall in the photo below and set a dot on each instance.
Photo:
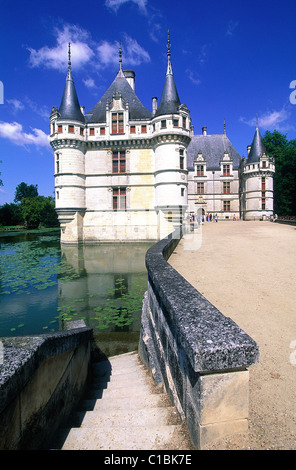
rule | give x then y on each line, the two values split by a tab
42	378
198	354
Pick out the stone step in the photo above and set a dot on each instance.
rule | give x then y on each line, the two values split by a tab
123	379
122	391
129	402
124	438
123	411
107	417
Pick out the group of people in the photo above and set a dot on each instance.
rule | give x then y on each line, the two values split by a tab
199	219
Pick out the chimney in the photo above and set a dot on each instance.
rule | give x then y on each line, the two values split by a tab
204	130
154	105
130	76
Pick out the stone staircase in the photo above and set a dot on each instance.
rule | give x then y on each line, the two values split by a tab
125	411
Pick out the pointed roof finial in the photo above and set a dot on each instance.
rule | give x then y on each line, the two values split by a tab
69	55
120	56
257	125
224	126
169	68
169	43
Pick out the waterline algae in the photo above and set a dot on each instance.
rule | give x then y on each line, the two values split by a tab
44	285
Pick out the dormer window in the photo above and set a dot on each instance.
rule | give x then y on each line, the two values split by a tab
117	123
200	170
163	124
71	129
133	129
91	131
226	170
60	129
144	129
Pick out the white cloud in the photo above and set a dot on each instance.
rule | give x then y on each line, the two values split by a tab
57	57
203	55
89	83
16	104
14	132
116	4
231	26
83	50
108	53
271	120
132	52
193	77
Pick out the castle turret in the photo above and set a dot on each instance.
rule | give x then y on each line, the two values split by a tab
171	137
257	181
67	140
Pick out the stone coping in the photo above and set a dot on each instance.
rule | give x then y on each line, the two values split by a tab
24	354
212	341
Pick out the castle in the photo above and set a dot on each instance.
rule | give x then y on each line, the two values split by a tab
124	173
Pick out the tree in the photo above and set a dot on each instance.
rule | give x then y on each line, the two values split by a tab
23	190
284	153
39	210
10	214
1	182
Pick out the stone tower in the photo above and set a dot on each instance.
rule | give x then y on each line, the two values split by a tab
257	172
171	137
67	140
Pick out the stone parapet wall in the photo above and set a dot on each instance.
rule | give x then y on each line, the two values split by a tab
200	356
42	378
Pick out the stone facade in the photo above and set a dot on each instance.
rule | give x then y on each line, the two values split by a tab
125	173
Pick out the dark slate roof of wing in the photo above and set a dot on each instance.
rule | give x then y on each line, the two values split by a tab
70	108
212	148
120	86
257	148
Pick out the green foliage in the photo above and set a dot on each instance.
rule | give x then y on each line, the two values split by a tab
1	182
10	214
284	153
39	210
23	190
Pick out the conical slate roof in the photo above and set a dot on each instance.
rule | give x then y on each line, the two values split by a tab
70	108
119	87
170	101
257	148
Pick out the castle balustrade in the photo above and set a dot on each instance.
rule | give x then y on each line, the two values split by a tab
196	353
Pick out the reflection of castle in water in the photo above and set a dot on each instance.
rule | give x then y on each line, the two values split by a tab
106	275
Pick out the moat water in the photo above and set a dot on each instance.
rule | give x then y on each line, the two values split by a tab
43	285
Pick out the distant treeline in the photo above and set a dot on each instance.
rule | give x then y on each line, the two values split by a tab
29	209
284	153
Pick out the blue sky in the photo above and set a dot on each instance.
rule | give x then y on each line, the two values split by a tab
232	60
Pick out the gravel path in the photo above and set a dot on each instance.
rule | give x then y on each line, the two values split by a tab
247	270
